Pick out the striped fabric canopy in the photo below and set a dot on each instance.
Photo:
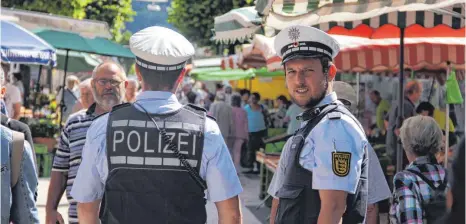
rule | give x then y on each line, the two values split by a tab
379	55
236	25
360	54
351	13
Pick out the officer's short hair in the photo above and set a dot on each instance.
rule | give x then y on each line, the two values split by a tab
421	135
158	80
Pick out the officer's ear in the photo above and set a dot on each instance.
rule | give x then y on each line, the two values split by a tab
179	80
138	73
332	71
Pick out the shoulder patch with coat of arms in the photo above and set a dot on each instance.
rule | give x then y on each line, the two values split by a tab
341	163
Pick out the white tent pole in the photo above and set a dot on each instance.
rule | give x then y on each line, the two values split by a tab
357	94
447	123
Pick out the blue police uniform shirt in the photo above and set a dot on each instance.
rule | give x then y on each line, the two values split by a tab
342	135
217	168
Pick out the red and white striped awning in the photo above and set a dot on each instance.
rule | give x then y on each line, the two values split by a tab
360	54
420	53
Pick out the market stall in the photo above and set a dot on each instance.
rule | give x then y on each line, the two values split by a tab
70	41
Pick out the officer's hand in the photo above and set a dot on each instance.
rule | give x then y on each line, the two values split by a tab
52	217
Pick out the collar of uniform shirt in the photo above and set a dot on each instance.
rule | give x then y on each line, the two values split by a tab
160	101
329	98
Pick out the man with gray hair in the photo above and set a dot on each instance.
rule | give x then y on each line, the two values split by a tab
224	115
131	90
108	89
86	99
70	93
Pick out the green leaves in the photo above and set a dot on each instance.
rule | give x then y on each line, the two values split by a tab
114	12
195	19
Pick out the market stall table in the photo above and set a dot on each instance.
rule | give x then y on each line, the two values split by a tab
269	164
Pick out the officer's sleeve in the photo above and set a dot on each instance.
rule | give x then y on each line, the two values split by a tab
338	147
220	173
378	189
279	175
88	185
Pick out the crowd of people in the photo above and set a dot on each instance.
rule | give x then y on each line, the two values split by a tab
99	168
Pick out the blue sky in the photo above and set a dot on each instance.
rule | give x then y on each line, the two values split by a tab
145	18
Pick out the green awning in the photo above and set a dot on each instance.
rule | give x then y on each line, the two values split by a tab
75	42
263	72
217	74
77	61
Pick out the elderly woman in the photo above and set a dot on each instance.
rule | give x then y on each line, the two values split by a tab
86	99
422	183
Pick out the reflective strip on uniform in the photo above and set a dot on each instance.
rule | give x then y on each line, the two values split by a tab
135	160
136	123
177	125
192	162
193	127
171	162
118	159
150	124
120	123
153	161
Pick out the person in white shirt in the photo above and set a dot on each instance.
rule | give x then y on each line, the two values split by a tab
13	101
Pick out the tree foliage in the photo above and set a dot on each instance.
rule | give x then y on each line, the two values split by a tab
114	12
195	19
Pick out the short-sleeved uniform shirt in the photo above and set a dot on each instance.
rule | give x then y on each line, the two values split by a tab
217	167
316	156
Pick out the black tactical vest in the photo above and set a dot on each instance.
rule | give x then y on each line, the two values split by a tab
298	202
146	182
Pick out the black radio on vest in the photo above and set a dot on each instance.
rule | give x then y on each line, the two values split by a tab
148	182
298	202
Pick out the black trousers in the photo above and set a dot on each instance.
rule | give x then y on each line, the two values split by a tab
254	144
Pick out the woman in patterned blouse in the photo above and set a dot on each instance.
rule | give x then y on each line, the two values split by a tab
421	138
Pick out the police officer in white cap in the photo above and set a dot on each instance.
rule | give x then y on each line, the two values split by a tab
155	161
323	170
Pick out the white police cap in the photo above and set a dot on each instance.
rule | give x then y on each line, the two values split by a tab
162	49
305	41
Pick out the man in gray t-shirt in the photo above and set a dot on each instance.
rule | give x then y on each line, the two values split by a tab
290	117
